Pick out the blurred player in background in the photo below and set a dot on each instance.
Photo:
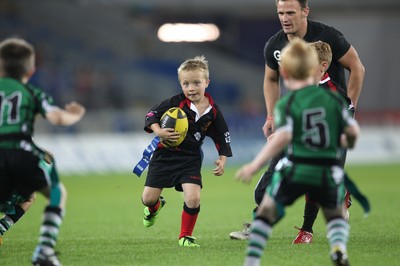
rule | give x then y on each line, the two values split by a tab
310	124
24	167
293	15
322	79
180	166
14	208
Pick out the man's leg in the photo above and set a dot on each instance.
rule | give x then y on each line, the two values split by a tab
305	234
259	192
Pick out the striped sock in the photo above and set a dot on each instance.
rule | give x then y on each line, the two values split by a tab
5	223
260	232
338	233
49	229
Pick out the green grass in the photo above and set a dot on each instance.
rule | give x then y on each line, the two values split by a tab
103	225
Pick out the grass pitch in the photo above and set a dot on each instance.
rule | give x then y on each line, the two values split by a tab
103	225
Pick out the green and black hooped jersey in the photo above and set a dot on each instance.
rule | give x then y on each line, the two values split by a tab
316	118
19	105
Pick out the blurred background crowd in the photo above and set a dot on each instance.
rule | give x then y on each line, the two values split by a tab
106	55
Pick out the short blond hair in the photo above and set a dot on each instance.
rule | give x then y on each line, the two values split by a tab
323	50
299	60
196	63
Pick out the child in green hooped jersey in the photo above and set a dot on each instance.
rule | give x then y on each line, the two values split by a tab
312	126
24	167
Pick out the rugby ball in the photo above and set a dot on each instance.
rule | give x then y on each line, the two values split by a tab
175	118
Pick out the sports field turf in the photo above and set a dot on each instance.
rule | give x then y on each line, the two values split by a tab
103	225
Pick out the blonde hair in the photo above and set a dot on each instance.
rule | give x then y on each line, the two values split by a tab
323	50
196	63
299	59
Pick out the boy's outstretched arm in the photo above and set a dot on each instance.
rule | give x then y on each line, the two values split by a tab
270	149
72	113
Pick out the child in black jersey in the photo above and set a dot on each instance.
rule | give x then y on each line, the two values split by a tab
180	166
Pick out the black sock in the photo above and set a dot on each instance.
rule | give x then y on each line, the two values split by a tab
19	212
310	214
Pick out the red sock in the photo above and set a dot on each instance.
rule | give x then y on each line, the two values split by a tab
347	199
155	207
188	221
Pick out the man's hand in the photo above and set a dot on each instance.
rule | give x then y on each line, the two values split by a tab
269	126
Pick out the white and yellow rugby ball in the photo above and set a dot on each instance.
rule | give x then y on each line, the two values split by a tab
175	118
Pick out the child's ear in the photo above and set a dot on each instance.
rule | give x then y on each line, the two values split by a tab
31	72
283	73
325	65
28	75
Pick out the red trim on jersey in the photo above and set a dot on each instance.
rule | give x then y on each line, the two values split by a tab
327	80
186	101
210	100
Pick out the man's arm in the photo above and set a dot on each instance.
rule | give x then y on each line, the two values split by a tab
352	62
271	96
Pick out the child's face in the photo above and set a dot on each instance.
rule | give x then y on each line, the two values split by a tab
194	84
320	71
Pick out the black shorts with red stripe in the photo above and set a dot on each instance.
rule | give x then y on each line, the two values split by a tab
171	168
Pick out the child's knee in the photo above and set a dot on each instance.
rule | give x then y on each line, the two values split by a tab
192	202
149	199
